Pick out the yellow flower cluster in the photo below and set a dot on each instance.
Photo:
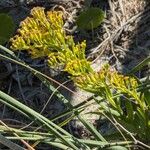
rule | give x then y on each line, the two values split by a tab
97	82
92	82
123	83
78	67
42	34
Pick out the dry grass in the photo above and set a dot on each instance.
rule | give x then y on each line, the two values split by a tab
127	23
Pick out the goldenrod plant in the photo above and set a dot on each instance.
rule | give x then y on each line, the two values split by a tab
42	35
131	107
106	82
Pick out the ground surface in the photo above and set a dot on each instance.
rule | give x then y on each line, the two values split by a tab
123	40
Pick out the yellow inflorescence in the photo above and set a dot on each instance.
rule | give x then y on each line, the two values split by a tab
94	82
38	34
97	82
123	83
42	34
78	67
71	52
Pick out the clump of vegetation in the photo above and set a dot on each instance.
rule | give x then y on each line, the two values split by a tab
43	35
131	108
122	98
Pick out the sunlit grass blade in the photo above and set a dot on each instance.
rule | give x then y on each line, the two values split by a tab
77	108
90	143
140	65
42	78
92	129
4	129
54	129
117	148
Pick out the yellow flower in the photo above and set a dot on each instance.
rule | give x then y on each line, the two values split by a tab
78	67
105	78
42	35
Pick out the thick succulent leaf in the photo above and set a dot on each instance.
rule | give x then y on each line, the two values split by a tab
6	27
90	18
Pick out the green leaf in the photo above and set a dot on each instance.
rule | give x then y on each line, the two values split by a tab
140	65
109	109
92	129
129	111
147	97
117	148
53	128
90	18
6	28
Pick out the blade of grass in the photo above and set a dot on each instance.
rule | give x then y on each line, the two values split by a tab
45	140
77	107
28	146
140	65
3	129
92	129
91	143
35	115
46	137
14	108
9	144
42	78
51	126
